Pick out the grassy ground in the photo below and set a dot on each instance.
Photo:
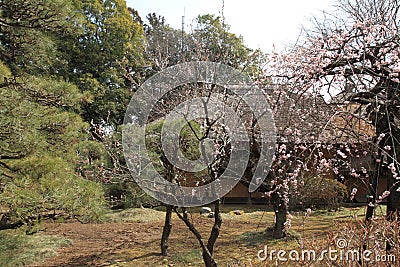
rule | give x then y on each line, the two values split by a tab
244	235
19	249
134	215
131	238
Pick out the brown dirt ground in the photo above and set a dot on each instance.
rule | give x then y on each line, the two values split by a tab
137	244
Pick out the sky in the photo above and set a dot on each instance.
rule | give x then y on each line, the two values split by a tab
262	23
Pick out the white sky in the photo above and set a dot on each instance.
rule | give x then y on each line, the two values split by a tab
262	23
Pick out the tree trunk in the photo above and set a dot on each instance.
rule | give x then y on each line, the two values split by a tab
385	124
216	227
393	200
281	209
168	212
249	201
208	259
207	256
166	230
374	190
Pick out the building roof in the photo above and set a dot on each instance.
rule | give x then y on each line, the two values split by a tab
309	118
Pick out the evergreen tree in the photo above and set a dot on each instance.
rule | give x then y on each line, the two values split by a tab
40	126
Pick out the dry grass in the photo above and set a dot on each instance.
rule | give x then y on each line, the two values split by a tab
242	236
131	238
135	215
19	249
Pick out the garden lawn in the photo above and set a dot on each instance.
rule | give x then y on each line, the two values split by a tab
131	238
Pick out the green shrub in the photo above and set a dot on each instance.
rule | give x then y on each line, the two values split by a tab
47	184
320	191
125	195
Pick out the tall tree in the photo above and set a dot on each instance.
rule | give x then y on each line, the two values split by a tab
104	59
355	54
40	127
100	58
166	47
213	41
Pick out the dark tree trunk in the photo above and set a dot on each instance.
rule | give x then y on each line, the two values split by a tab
168	212
216	227
207	256
374	189
281	209
166	230
392	133
208	259
385	116
386	124
393	200
370	211
372	198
